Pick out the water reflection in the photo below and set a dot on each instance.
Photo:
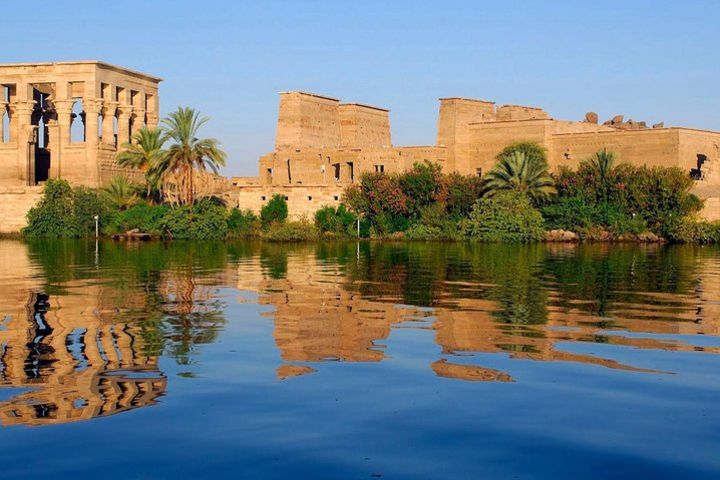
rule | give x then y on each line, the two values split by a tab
83	337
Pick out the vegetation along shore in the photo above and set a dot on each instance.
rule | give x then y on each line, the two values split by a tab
519	200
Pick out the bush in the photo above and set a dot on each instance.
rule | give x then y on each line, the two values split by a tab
274	211
420	231
692	230
505	217
300	231
146	218
243	223
202	221
532	150
338	221
66	212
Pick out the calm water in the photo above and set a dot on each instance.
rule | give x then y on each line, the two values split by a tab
344	361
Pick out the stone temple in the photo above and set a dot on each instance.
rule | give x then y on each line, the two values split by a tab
323	145
67	119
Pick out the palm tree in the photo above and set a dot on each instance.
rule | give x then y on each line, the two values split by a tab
120	192
520	173
144	153
603	164
187	152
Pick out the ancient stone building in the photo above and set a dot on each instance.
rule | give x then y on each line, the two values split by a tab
67	119
323	145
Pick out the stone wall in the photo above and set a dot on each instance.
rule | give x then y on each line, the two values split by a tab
14	205
364	126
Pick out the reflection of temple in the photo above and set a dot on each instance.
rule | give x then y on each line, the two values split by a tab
316	318
77	362
78	367
320	315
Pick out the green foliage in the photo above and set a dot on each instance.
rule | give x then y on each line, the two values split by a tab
533	151
274	211
336	221
391	203
421	231
66	212
146	218
505	217
121	193
203	220
421	186
243	223
656	195
462	192
522	173
692	230
145	153
300	231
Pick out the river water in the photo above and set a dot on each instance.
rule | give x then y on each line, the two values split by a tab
358	360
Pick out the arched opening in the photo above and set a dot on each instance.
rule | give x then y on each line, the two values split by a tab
77	125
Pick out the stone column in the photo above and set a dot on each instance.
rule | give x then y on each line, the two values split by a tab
3	111
124	114
92	110
138	120
151	120
109	109
22	133
63	110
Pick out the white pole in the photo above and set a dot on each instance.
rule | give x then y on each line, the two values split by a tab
97	229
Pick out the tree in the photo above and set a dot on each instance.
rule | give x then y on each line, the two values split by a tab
187	153
274	211
144	153
521	173
603	164
120	192
531	149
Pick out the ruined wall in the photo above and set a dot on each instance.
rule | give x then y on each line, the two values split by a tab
15	202
364	126
302	200
306	120
456	115
652	147
520	112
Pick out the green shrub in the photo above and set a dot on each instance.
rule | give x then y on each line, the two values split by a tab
202	221
339	221
243	223
692	230
146	218
274	211
505	217
420	231
462	193
64	212
532	150
300	231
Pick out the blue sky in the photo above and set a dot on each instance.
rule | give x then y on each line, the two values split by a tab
650	60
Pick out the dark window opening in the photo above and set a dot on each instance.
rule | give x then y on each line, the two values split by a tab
310	197
351	167
698	173
336	167
379	168
336	198
286	198
289	172
478	172
263	198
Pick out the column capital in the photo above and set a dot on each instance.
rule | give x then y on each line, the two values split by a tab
93	105
63	106
109	106
125	110
22	106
